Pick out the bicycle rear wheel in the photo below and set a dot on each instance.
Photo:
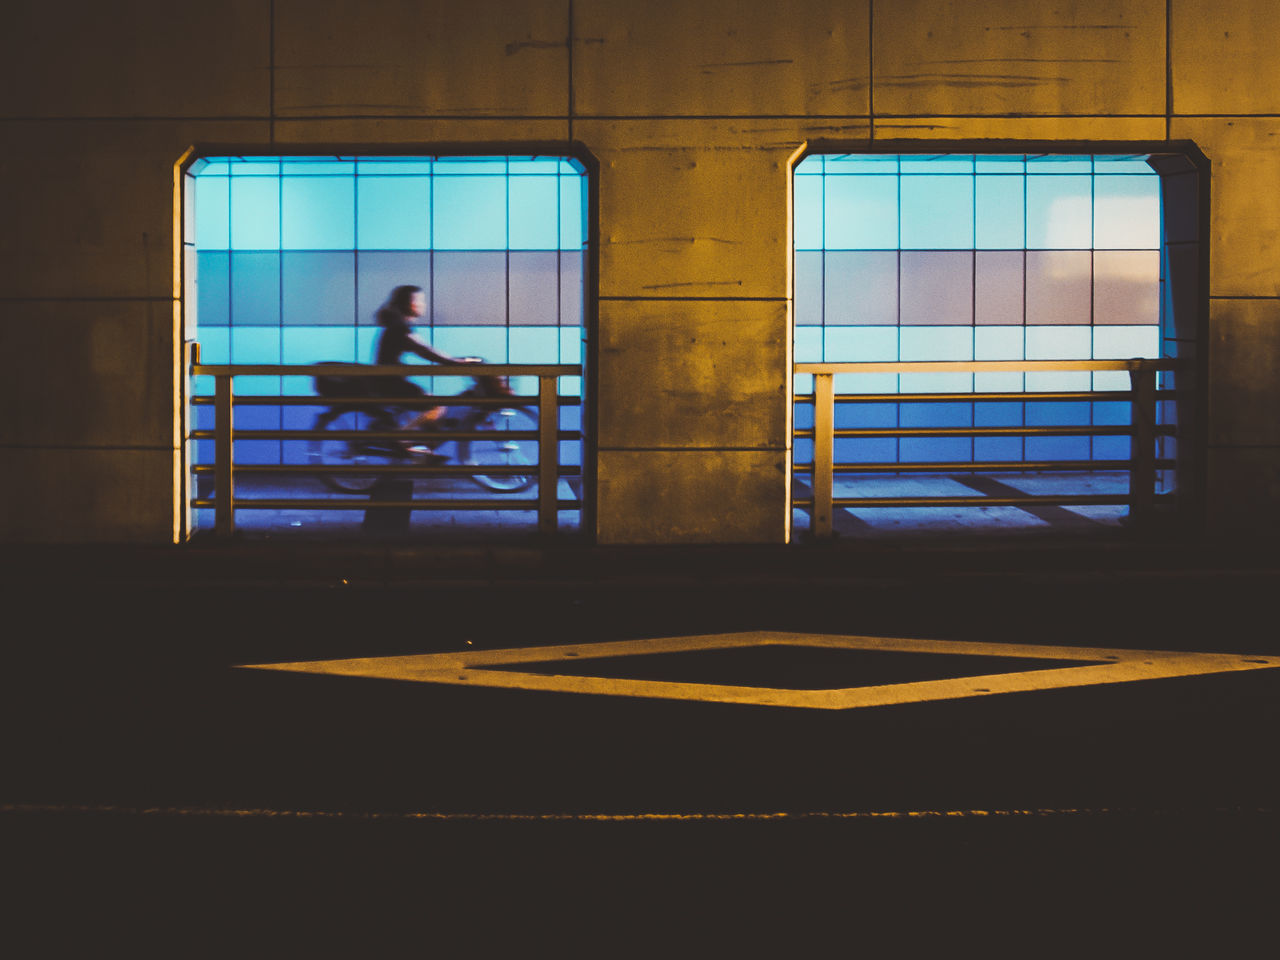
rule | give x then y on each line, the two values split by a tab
354	454
504	451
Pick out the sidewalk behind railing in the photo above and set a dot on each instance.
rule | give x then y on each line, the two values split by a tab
1143	428
224	468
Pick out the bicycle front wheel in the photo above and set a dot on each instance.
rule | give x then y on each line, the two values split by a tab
504	451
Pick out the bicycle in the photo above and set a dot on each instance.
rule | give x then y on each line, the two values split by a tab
418	446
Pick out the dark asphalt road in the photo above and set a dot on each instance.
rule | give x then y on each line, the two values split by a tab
141	762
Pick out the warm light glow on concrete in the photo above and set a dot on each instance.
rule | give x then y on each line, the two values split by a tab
475	668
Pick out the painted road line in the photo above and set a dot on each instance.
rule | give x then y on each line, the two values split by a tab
491	668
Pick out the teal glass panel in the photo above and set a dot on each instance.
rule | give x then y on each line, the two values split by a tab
215	345
213	288
1126	213
936	343
255	345
318	213
861	213
570	346
943	163
1132	167
471	166
319	344
808	344
1059	213
573	213
811	166
534	345
254	168
393	213
997	343
469	213
393	167
866	344
255	288
937	213
1123	343
255	213
533	209
807	200
1053	165
316	167
213	213
936	382
1059	343
1013	163
518	166
1001	215
489	343
861	164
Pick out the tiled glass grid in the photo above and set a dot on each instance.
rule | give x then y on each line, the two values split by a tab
294	255
973	257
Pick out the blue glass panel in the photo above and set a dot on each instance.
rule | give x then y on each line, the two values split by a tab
802	452
393	213
807	200
257	417
861	213
866	450
808	344
213	293
534	345
319	344
1057	448
1126	213
255	289
319	213
203	417
215	344
573	213
997	448
997	415
257	451
318	286
867	414
1001	217
533	209
470	213
1114	413
213	213
1111	448
254	345
255	213
1055	413
803	416
937	213
1059	213
935	449
937	414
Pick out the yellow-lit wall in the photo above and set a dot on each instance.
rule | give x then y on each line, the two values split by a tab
693	109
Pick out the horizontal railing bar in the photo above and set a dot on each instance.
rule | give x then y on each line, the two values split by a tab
398	370
982	467
1066	500
411	436
510	503
982	366
427	400
442	470
849	432
1099	396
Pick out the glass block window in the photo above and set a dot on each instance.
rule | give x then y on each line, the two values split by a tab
294	256
974	257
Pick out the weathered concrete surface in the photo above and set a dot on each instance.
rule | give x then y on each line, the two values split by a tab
1224	56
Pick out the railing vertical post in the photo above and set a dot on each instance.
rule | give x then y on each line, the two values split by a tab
224	503
824	443
548	452
1142	471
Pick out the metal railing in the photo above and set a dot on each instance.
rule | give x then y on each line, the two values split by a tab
1142	465
224	470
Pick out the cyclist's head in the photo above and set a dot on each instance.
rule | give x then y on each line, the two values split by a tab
402	300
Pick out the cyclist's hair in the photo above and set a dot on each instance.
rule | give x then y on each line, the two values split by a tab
400	299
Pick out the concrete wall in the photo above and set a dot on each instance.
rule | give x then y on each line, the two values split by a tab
694	110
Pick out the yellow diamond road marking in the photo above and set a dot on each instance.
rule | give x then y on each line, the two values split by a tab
475	668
